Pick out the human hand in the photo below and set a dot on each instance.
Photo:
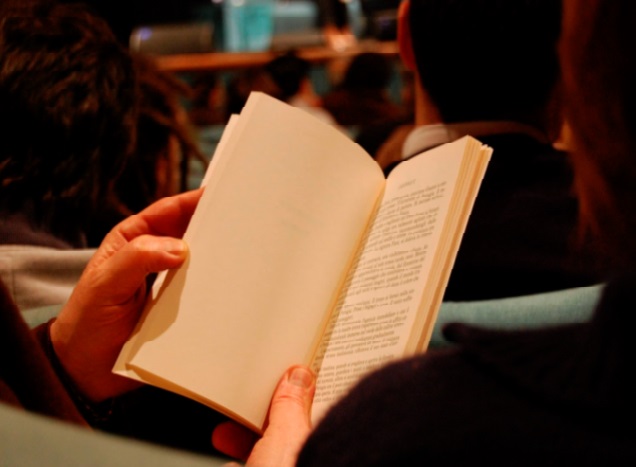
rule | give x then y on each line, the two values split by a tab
288	425
106	303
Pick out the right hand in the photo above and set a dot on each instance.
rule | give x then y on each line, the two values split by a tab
289	424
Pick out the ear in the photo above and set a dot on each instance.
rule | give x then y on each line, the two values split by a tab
404	36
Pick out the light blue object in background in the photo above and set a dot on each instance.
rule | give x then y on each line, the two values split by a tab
294	17
248	25
355	17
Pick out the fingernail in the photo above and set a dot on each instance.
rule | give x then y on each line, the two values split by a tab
175	247
301	377
178	245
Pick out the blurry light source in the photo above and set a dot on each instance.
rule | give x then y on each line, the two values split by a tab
173	38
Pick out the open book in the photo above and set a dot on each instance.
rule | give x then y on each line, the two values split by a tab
302	253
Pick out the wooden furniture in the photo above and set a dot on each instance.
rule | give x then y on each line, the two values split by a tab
220	61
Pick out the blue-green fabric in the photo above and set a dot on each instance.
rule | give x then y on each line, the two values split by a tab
530	311
27	439
564	306
39	315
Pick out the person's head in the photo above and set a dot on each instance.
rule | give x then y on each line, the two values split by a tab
368	70
483	59
67	111
208	100
599	72
288	72
245	82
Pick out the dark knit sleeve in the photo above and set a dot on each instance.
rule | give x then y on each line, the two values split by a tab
26	375
96	414
31	377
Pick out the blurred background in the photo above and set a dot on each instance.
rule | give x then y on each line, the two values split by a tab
234	22
337	59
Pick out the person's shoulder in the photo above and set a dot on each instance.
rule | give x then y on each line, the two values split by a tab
388	414
529	161
524	147
493	385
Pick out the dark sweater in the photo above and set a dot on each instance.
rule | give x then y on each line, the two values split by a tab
557	396
522	234
26	377
32	378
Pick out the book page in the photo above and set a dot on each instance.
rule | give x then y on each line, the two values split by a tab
272	239
216	164
217	160
375	314
472	171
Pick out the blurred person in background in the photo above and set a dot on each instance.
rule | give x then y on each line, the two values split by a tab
522	235
362	97
208	100
290	73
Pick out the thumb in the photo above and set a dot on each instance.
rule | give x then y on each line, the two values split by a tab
291	403
289	420
289	424
148	254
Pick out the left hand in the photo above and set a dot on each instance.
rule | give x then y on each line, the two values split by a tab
106	303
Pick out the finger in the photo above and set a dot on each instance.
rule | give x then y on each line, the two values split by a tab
128	267
166	217
289	420
233	439
291	403
289	424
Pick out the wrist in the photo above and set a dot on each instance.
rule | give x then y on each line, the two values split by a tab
94	411
90	374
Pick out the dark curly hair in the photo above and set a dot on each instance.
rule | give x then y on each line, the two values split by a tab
68	109
165	149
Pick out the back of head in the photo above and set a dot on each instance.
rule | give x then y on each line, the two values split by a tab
599	72
243	83
288	72
67	111
486	59
368	70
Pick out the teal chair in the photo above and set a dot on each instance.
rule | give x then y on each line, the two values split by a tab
28	439
39	315
574	305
